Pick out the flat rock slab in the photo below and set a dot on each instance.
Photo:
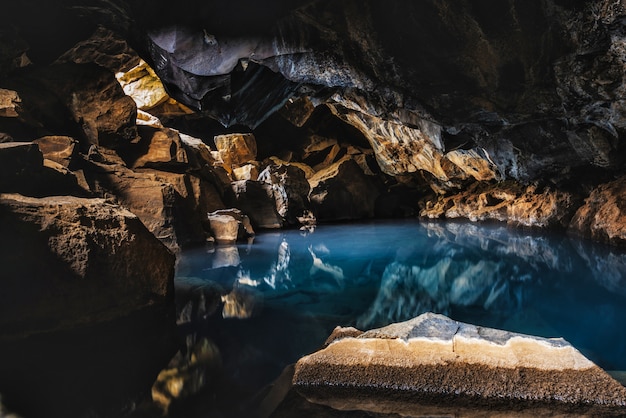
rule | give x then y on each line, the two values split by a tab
434	360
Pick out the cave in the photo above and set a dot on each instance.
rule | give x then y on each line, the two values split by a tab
153	152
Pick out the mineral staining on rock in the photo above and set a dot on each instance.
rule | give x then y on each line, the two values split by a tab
432	359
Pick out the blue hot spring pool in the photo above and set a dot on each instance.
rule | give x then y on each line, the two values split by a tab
265	304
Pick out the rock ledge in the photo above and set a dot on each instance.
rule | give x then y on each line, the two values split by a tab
431	359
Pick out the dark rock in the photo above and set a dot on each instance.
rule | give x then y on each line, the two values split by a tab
158	148
289	188
71	261
257	201
342	192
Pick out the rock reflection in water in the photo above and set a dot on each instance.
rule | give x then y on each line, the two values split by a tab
279	298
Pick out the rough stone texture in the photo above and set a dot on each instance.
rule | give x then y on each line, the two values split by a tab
70	261
433	359
230	225
289	188
143	85
158	148
342	191
256	200
236	149
60	149
603	216
508	202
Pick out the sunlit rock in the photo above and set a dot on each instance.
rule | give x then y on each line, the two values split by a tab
236	149
143	85
433	360
158	148
230	225
9	104
603	217
508	202
99	256
246	172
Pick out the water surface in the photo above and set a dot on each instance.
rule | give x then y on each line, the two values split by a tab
267	303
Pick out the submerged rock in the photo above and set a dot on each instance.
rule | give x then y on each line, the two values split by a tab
432	360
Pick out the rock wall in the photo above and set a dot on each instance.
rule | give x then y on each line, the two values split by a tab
443	94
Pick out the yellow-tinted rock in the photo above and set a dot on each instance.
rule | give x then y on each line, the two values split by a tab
143	85
236	149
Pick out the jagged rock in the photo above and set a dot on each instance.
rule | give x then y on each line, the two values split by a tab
246	172
432	361
158	148
9	104
602	217
71	261
342	191
143	85
236	149
60	149
256	199
105	48
507	202
290	190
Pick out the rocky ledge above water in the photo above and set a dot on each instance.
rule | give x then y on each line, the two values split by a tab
433	364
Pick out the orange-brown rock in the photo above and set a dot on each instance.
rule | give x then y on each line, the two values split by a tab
432	360
70	261
603	216
60	149
509	202
236	149
158	148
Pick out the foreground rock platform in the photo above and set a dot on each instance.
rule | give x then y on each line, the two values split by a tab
434	361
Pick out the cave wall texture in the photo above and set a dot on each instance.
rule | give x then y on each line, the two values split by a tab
450	95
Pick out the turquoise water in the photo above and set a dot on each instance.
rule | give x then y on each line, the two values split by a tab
266	303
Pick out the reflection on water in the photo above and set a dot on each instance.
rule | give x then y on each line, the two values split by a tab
265	304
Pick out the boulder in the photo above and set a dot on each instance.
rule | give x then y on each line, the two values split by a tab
143	85
229	226
342	192
60	149
511	202
158	148
290	189
433	361
246	172
603	215
236	149
72	261
256	200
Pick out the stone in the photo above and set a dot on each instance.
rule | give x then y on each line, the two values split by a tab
60	149
230	225
9	104
95	101
158	148
246	172
603	217
143	85
289	188
433	360
236	149
342	192
71	261
256	200
509	202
